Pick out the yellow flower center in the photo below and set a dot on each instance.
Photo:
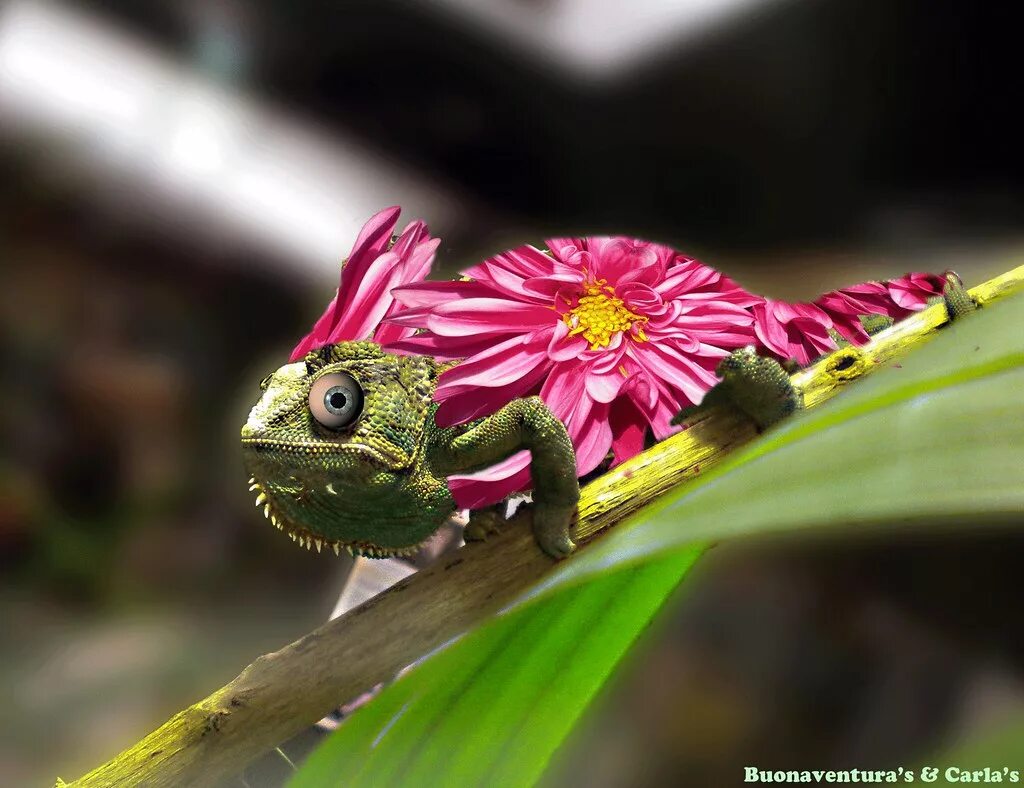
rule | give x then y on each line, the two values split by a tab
600	314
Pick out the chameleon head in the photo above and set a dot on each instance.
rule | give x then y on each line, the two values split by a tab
334	448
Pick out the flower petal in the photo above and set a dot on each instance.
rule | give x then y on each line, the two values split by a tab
501	364
591	434
488	316
369	274
550	288
441	348
468	403
604	388
911	292
564	347
491	485
628	428
429	294
370	301
564	248
524	261
371	242
679	370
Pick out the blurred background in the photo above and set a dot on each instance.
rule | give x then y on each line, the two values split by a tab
178	184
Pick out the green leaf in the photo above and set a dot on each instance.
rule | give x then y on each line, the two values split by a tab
939	438
492	709
998	749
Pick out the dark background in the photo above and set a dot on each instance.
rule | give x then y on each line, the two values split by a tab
150	279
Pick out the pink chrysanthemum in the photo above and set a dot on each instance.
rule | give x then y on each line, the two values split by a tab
896	298
797	331
615	335
374	267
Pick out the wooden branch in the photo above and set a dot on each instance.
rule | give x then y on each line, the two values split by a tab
282	693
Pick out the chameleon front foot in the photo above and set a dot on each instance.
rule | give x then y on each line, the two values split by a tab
522	424
551	529
757	386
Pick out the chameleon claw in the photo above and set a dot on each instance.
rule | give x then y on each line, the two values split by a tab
556	545
956	298
551	529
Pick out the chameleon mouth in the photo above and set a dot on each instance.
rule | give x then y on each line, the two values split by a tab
311	449
309	540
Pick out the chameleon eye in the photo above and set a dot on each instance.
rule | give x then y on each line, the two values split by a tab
335	400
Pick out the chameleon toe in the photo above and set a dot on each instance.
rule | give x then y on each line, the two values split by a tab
551	529
556	545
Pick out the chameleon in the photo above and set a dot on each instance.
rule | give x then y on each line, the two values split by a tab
343	450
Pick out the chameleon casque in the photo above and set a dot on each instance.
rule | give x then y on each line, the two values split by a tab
344	452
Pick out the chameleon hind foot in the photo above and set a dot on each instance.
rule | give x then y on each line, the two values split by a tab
956	298
483	523
757	386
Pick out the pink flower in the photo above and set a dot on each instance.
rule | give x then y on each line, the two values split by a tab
910	293
896	298
616	335
845	306
374	267
798	331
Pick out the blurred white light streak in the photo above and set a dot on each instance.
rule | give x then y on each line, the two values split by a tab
167	136
597	39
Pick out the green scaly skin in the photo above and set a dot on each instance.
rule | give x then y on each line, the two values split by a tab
757	386
378	486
